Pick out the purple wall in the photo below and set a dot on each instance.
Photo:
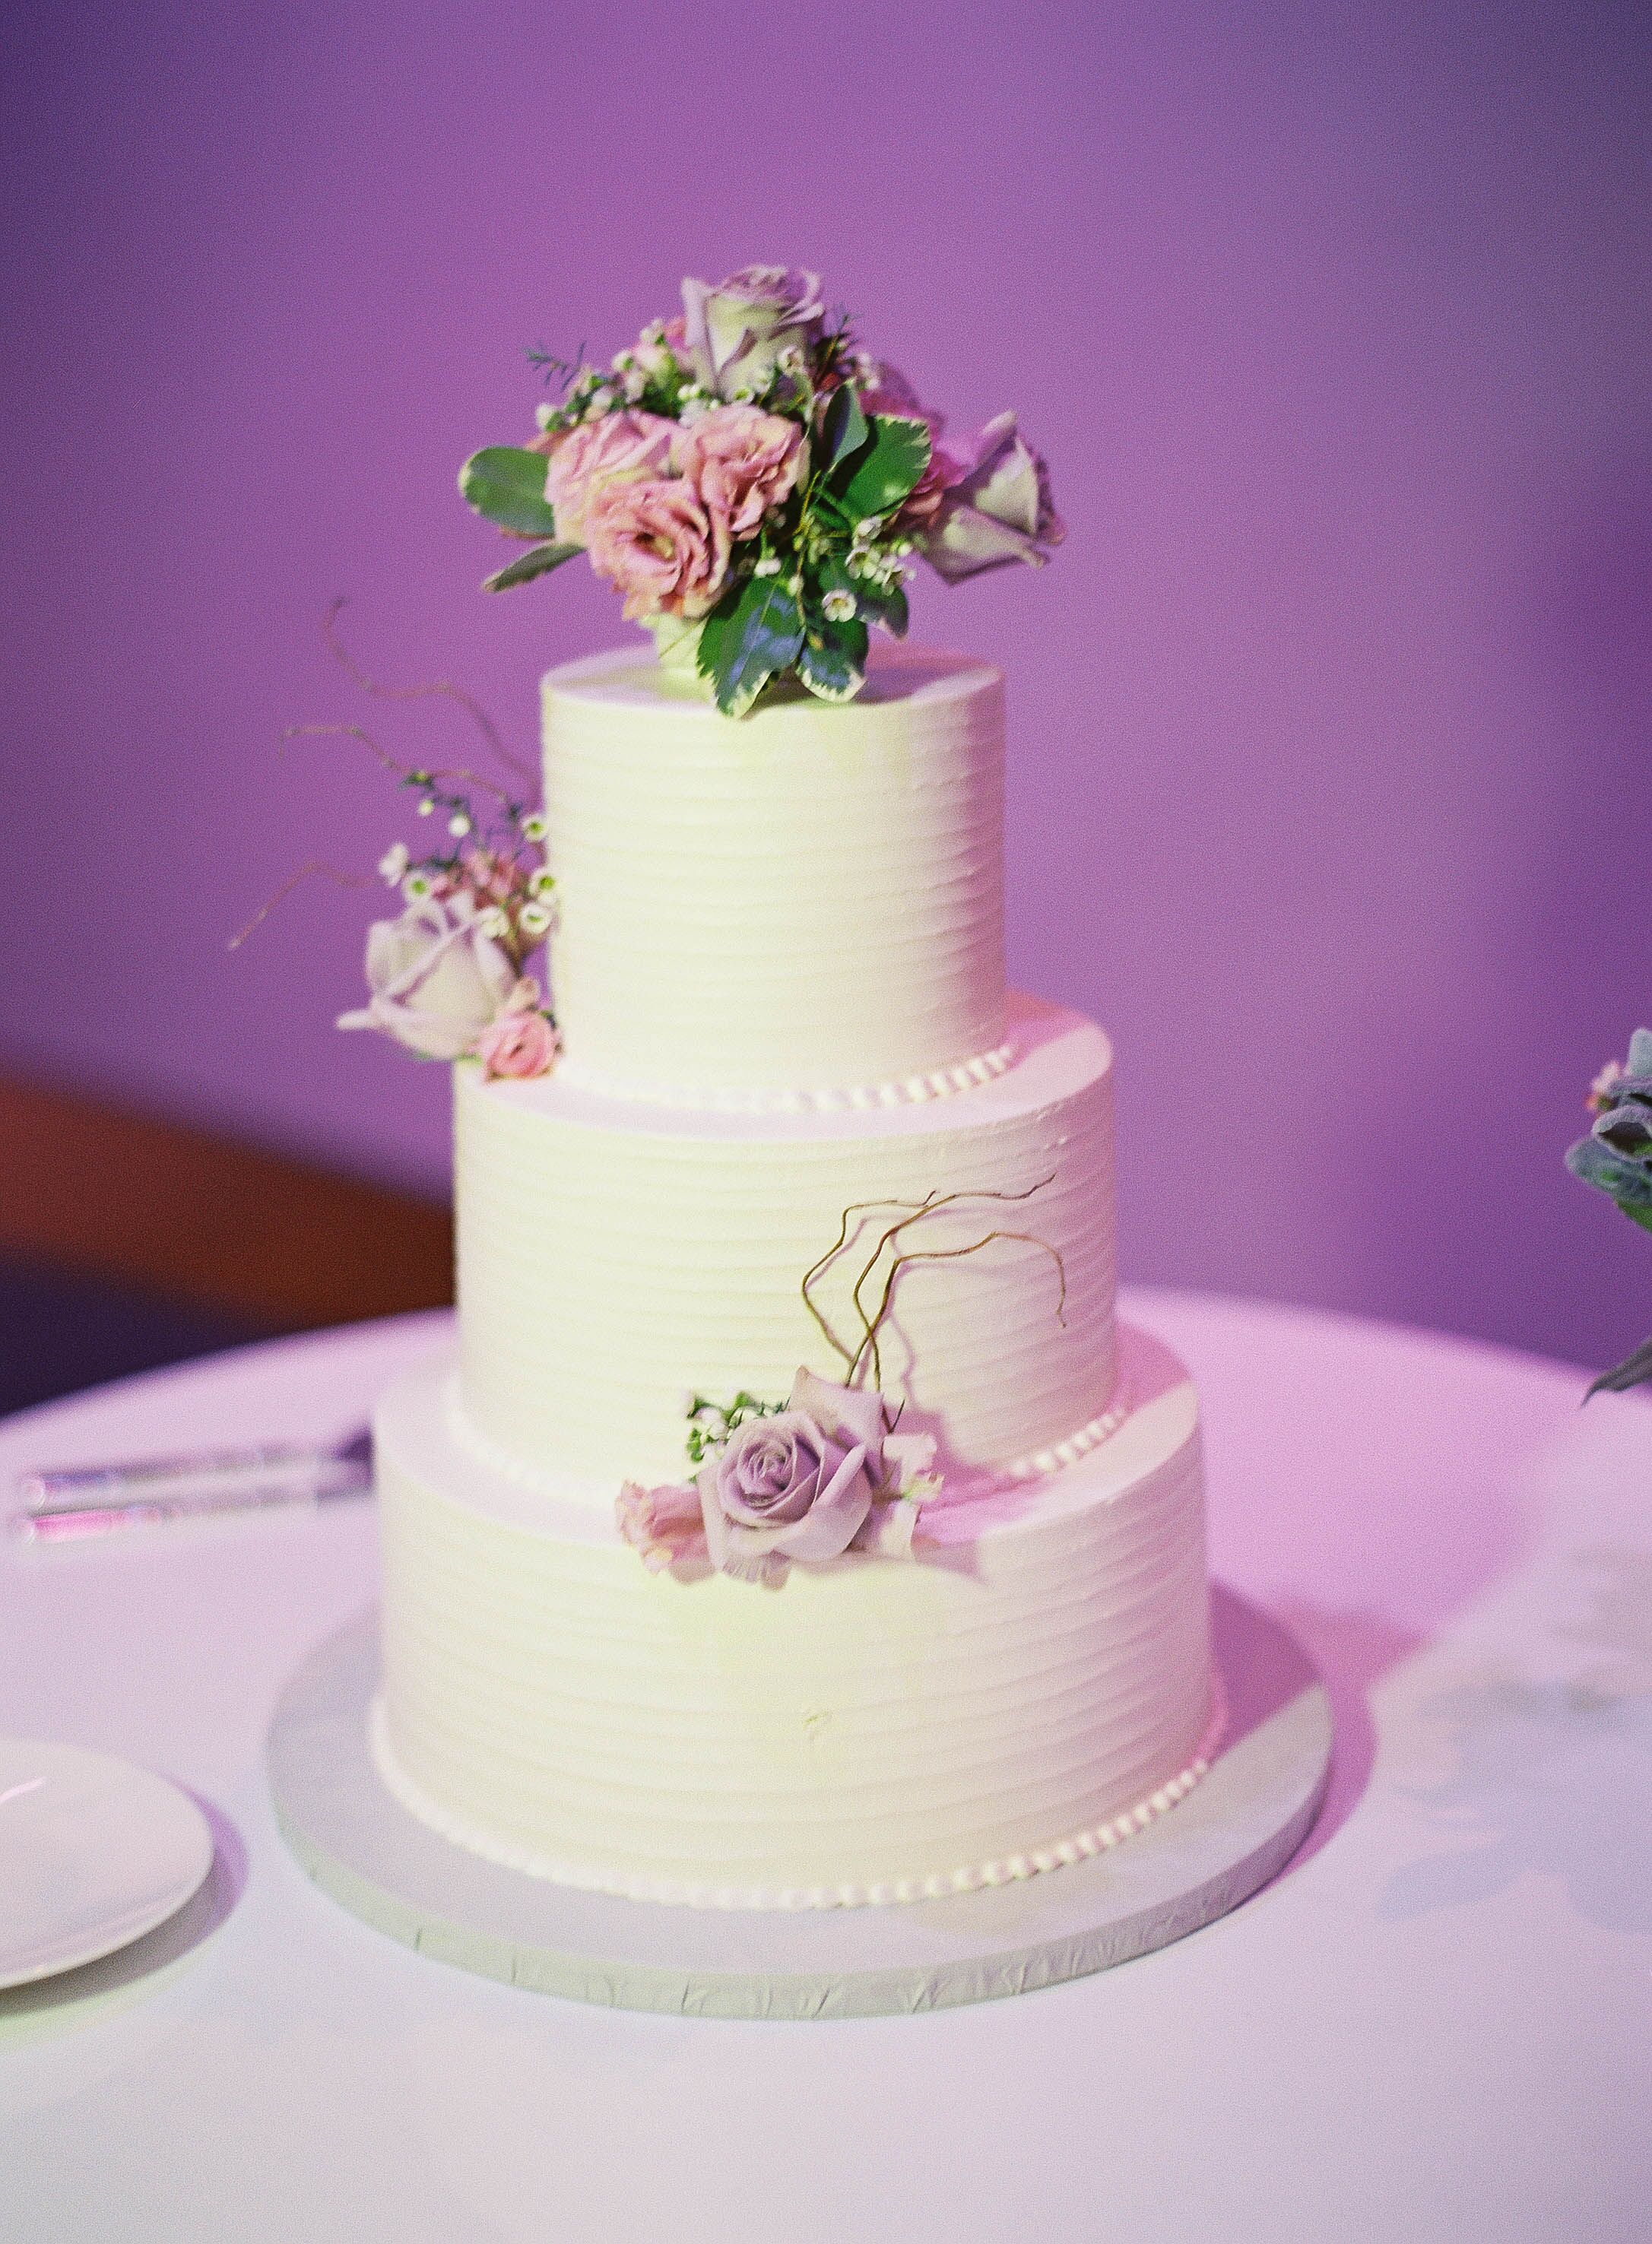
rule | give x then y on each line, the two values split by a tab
1331	723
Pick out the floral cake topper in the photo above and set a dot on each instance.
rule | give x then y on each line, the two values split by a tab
828	1472
757	485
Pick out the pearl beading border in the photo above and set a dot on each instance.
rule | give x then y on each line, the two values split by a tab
860	1098
938	1886
1069	1451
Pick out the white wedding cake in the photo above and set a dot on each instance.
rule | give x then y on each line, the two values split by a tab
787	1052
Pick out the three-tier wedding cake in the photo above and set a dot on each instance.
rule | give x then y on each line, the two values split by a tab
795	1526
780	967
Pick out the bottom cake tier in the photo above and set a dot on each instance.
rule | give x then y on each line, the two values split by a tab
1032	1685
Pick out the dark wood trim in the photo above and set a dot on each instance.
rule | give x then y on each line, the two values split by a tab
199	1217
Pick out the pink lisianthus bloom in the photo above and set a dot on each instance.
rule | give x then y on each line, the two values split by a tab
659	542
662	1524
625	446
520	1041
741	461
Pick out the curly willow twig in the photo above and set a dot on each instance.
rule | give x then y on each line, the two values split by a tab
441	686
316	865
948	1255
406	773
912	1212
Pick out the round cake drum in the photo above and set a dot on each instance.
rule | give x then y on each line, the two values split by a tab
1231	1833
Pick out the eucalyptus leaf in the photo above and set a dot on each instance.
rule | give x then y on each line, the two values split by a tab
1634	1371
883	474
759	642
844	430
832	660
526	566
505	485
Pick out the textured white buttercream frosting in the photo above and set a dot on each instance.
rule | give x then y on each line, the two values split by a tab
1034	1685
808	897
615	1255
779	976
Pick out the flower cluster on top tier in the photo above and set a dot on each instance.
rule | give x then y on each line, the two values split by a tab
757	485
1617	1158
447	978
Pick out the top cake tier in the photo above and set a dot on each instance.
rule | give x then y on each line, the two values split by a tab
803	904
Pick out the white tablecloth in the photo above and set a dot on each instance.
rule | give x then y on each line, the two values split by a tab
1436	2024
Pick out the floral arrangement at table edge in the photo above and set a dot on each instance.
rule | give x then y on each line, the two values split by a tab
447	978
1617	1158
827	1471
757	485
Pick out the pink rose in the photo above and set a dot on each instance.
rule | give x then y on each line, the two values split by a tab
586	460
662	1524
520	1041
741	461
660	544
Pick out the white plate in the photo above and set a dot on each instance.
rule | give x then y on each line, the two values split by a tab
94	1853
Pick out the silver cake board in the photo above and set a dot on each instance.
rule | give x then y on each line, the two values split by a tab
1237	1828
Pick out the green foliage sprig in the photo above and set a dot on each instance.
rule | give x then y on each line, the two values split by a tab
1616	1159
711	1425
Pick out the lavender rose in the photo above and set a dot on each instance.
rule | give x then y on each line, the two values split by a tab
733	333
995	506
806	1484
434	979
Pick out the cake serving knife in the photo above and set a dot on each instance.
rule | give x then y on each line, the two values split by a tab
64	1503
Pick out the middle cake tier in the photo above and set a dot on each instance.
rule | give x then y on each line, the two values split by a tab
615	1257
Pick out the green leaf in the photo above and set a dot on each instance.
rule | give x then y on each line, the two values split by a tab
507	485
845	429
832	660
526	566
897	611
1641	1215
716	642
885	474
1634	1371
759	641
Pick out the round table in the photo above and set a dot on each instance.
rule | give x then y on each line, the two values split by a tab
1435	2024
